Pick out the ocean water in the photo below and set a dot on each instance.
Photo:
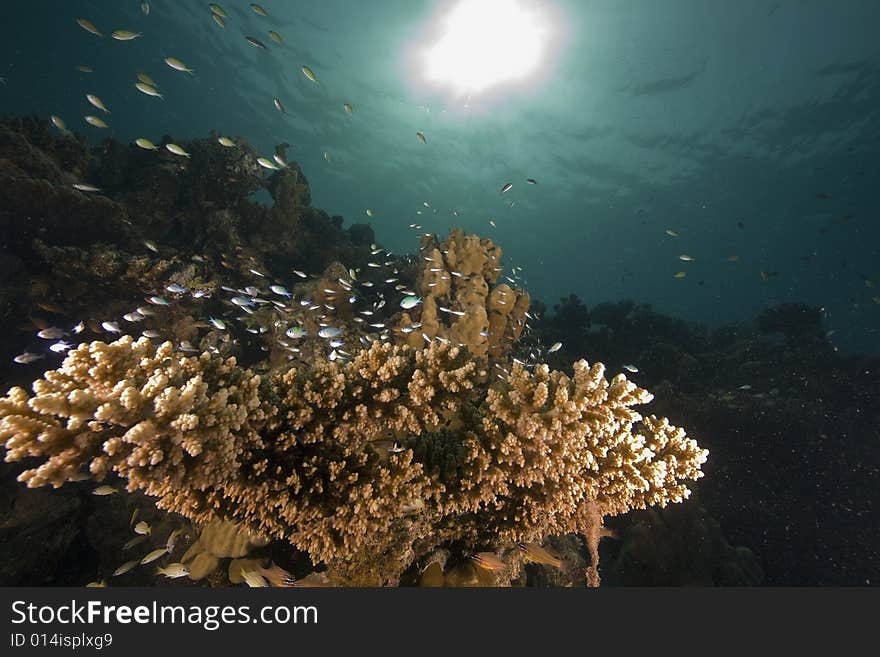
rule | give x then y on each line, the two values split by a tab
708	161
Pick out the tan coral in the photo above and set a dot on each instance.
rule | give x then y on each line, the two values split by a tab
302	454
458	276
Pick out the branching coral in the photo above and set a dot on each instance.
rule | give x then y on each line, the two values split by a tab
304	454
457	275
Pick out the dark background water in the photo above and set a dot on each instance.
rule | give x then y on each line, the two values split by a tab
750	128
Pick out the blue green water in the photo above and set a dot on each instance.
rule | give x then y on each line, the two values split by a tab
749	128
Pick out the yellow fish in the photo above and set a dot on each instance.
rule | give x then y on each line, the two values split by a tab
143	527
88	26
310	74
148	89
369	212
178	65
146	79
219	20
124	568
217	10
125	35
267	163
226	141
155	554
671	232
686	257
84	68
348	108
177	150
97	102
275	36
95	121
259	10
104	490
679	274
146	144
58	122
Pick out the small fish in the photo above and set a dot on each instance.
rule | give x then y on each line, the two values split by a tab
218	324
143	527
329	332
79	328
275	37
151	333
255	42
671	232
133	317
219	20
172	540
686	257
176	289
733	258
369	212
225	141
146	79
488	561
105	490
267	163
27	358
177	150
84	68
280	161
679	274
51	333
145	8
58	122
97	102
111	327
150	244
631	368
96	121
146	144
348	108
492	223
137	540
299	273
254	579
178	65
280	290
124	568
242	301
60	347
310	74
217	9
767	275
279	106
538	554
531	181
173	570
157	301
556	347
745	387
326	156
506	187
88	26
125	35
421	136
259	10
155	554
148	89
296	332
86	188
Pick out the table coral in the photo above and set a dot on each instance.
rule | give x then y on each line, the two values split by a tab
302	454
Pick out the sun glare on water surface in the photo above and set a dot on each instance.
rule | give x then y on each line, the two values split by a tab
486	43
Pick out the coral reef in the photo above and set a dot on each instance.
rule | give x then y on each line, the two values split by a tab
303	455
459	303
